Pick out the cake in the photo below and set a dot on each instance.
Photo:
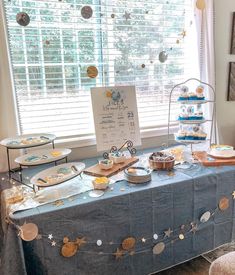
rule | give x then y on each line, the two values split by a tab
222	150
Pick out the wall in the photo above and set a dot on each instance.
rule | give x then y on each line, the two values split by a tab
225	110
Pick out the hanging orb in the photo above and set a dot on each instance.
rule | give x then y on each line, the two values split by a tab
200	4
92	72
128	243
22	19
69	249
163	57
86	12
28	231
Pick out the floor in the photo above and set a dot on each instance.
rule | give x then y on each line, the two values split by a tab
198	266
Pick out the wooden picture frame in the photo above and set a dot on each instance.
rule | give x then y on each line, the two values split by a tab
232	48
231	82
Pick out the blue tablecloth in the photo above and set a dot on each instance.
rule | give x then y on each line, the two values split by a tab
140	211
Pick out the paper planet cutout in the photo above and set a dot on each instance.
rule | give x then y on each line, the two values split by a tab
158	248
22	19
128	243
205	217
155	236
181	236
163	56
224	204
28	231
86	12
69	249
92	72
200	4
99	242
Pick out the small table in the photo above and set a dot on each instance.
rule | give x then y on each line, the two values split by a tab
174	201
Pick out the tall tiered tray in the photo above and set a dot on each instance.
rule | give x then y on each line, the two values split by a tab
209	99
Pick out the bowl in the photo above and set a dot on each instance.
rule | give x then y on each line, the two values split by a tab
100	183
117	157
106	164
161	161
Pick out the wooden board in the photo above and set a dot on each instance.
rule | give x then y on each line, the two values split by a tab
207	160
97	172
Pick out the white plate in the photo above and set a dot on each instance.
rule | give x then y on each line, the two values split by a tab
199	121
192	102
42	156
231	155
23	141
58	177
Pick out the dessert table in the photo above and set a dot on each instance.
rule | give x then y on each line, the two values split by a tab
168	218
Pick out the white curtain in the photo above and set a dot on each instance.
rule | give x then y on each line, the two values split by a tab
8	126
205	30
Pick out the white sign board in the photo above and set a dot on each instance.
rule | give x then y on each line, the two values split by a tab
115	116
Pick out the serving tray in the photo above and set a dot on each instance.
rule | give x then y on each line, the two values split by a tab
42	156
57	174
96	171
27	141
206	160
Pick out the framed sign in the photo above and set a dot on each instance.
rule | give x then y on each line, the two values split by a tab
231	82
115	116
232	49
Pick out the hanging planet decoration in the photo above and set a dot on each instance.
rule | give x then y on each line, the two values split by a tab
205	217
200	4
181	236
92	72
128	243
224	204
86	12
163	56
158	248
22	19
28	231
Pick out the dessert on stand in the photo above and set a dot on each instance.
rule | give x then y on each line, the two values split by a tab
191	119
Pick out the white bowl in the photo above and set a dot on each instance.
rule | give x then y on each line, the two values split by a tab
100	186
117	159
105	166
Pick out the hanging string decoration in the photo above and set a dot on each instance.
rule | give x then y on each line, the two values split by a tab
68	248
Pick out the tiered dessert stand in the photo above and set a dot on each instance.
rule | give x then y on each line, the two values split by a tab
38	157
211	100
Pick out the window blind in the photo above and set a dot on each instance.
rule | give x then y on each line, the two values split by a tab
122	39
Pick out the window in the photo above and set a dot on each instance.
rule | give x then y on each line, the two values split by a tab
122	39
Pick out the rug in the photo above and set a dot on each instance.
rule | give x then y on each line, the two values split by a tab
222	250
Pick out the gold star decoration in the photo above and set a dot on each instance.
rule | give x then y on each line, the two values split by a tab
233	194
127	15
194	228
184	33
118	254
53	243
170	174
39	237
58	203
81	241
132	253
168	233
143	240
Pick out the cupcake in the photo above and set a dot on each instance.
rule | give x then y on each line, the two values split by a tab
200	93
184	93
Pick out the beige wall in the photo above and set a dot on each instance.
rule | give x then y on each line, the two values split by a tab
225	109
